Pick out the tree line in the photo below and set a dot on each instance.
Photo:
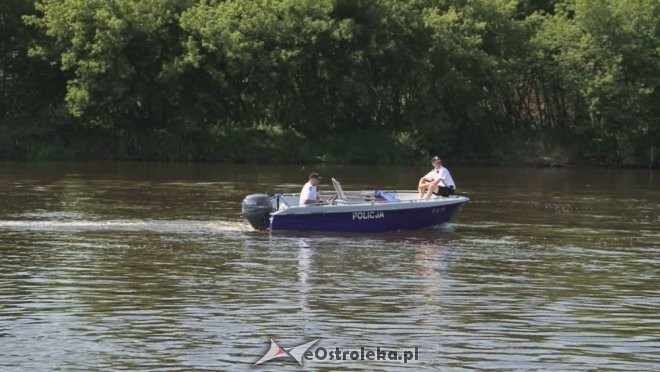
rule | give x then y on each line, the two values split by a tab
352	81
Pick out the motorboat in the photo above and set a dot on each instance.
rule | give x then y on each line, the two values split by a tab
346	211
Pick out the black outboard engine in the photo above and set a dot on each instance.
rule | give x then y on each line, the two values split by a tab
256	209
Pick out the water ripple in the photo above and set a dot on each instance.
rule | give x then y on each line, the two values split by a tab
128	274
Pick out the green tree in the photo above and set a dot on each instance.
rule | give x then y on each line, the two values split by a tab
30	90
119	56
605	54
242	79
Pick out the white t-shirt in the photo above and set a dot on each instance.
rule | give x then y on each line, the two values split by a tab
442	174
308	192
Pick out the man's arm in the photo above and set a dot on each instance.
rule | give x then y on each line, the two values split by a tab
443	176
314	201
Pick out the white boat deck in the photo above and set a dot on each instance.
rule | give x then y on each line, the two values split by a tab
361	200
342	201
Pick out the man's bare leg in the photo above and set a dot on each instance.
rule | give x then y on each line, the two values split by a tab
422	188
431	190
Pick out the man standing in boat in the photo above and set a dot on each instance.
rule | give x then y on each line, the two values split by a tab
309	194
438	181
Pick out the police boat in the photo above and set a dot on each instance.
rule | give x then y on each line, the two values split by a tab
357	211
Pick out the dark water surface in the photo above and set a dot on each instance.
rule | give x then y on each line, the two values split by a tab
149	266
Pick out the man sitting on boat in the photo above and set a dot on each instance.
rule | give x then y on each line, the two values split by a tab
436	182
309	194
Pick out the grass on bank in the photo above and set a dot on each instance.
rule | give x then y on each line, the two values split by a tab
276	144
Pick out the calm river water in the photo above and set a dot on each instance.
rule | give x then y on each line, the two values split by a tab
149	266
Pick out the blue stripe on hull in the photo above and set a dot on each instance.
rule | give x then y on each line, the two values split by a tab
376	221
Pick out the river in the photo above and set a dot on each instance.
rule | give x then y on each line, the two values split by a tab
114	265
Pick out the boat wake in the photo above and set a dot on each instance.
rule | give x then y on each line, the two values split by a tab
158	226
444	227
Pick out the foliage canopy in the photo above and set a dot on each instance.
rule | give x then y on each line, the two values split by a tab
330	80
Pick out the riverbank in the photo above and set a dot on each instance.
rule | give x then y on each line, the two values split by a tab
274	144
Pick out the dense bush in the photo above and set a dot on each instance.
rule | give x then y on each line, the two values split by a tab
368	81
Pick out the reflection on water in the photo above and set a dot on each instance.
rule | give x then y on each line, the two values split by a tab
148	266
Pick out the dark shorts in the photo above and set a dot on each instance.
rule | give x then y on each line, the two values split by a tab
445	191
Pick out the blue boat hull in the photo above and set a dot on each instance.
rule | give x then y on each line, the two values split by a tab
367	221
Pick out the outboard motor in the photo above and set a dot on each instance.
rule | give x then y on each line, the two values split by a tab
256	209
